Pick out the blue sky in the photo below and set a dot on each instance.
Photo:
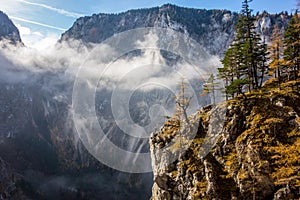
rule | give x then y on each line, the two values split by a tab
42	21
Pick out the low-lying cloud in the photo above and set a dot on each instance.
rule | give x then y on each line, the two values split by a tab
67	57
136	62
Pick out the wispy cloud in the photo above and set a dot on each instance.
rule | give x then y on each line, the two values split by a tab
58	10
37	23
27	31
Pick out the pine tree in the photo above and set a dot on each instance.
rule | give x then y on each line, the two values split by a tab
292	47
276	54
254	51
229	66
263	59
211	86
245	60
241	56
233	71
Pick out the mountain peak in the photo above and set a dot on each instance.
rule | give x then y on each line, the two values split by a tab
213	29
8	30
168	6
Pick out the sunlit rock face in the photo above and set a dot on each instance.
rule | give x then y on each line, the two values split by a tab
213	29
241	164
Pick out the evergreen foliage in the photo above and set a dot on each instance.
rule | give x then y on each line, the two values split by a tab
211	86
245	60
291	53
248	60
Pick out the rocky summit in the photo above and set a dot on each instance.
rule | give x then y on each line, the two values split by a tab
8	30
213	29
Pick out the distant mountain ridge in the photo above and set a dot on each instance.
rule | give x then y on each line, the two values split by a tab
8	30
35	137
213	29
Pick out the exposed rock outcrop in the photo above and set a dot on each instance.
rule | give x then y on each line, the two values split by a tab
253	156
213	29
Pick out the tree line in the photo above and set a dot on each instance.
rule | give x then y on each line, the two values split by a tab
249	61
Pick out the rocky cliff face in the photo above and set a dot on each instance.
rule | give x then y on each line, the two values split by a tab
8	30
9	183
213	29
37	139
255	153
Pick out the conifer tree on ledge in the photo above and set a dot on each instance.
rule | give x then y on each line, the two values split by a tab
245	60
292	47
